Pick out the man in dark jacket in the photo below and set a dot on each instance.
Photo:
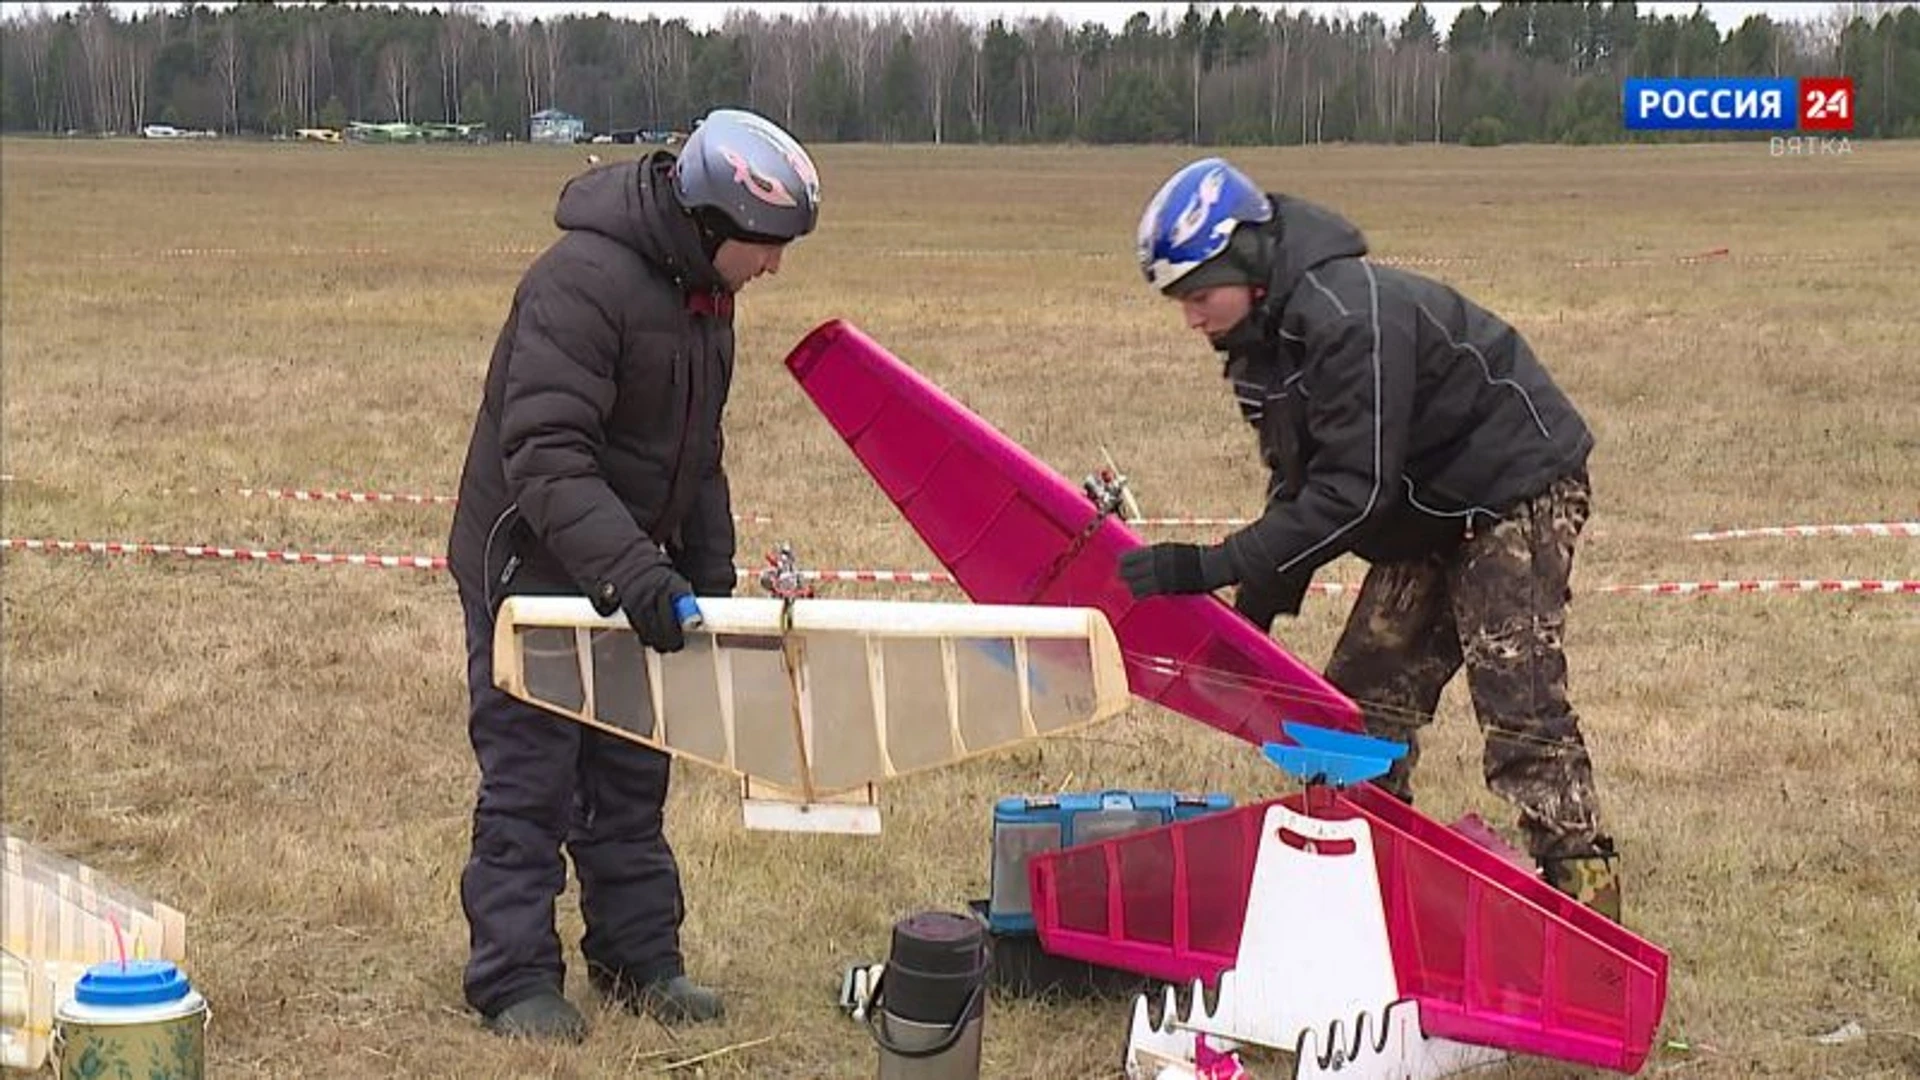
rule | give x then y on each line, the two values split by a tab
1408	426
595	468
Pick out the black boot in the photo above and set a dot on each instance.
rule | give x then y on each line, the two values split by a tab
546	1014
673	1000
680	1000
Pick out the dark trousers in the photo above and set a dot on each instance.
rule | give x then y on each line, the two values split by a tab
1497	606
546	782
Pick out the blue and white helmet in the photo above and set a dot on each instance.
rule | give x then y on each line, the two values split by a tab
1192	217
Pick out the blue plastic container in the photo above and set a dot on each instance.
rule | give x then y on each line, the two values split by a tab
1025	825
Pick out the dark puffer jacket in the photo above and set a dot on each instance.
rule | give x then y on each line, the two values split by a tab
1392	410
597	451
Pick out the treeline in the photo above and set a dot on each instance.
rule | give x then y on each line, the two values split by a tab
1216	75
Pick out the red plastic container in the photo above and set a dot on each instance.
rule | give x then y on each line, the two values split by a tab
1494	955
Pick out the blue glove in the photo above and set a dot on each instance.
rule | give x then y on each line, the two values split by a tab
1175	568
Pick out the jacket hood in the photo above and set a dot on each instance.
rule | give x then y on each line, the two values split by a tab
1309	236
1302	236
633	203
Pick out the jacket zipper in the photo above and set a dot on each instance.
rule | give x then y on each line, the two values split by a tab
680	453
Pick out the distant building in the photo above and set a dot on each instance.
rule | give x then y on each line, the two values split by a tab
554	126
661	136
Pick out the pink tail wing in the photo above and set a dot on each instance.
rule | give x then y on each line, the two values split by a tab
1494	955
1013	531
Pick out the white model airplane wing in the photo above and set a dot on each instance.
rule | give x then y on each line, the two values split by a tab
813	713
58	918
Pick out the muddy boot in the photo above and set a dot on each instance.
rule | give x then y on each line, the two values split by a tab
545	1015
1593	878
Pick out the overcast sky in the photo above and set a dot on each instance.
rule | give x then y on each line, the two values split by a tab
704	15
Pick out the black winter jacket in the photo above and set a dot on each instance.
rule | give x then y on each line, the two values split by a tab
597	451
1392	410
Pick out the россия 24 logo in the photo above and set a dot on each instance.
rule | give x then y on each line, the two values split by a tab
1823	105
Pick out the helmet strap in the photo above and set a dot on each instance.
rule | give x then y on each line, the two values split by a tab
716	228
712	227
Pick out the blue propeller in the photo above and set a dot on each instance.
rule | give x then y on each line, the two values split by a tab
1324	755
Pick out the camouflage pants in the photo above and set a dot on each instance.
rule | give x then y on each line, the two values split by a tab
1496	605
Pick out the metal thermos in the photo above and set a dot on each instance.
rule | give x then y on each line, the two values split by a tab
928	1008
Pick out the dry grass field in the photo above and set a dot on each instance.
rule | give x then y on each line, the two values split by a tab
280	751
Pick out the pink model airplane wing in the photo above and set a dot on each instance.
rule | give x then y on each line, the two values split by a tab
1013	531
1494	955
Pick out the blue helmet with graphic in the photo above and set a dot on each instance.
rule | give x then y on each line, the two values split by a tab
1191	220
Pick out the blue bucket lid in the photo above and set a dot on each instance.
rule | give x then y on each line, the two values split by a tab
136	982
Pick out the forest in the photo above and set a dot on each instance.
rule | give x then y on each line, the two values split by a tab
1217	74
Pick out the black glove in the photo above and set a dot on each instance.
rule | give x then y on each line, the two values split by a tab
1261	599
648	603
716	579
1175	568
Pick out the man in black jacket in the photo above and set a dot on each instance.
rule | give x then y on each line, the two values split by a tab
1408	426
595	468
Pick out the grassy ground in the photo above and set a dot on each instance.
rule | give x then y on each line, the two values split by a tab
280	751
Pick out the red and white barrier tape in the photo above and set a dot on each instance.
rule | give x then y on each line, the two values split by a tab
889	577
413	499
885	577
389	562
1871	528
1384	260
295	250
1882	529
204	551
1682	260
1001	253
1839	585
300	495
300	251
1577	264
368	497
439	562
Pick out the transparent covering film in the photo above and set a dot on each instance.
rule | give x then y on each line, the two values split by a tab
918	734
1100	824
1060	678
829	706
622	690
552	660
845	744
765	745
40	868
26	1012
989	691
1014	844
693	721
54	908
60	918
